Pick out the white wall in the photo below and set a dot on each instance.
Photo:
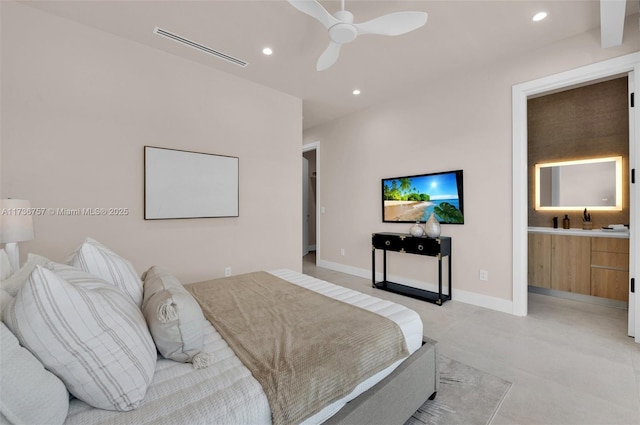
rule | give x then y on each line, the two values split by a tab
78	105
458	121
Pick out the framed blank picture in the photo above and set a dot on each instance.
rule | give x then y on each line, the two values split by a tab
183	184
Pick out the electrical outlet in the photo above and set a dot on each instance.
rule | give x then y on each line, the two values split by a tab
227	271
342	251
483	275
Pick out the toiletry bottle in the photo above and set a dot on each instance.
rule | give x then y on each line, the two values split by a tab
555	222
565	222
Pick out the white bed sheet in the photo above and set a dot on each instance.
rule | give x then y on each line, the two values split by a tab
226	392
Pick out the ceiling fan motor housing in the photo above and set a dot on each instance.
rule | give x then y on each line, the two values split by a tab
344	31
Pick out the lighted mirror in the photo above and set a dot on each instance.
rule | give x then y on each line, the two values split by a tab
595	184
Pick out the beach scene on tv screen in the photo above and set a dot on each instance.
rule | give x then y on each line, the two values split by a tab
411	199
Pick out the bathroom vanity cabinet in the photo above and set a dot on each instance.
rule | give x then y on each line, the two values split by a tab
588	262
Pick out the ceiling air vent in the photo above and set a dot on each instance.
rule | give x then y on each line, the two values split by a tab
198	46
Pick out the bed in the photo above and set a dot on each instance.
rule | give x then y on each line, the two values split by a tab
226	392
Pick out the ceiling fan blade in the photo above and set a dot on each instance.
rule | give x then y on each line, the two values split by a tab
315	10
329	57
393	24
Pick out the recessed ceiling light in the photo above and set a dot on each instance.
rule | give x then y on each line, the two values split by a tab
267	51
356	92
539	16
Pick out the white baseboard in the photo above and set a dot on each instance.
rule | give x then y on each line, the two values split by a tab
485	301
355	271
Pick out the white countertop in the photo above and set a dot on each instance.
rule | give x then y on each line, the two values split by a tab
599	233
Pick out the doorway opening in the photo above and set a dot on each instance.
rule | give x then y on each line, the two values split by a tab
311	201
568	132
520	94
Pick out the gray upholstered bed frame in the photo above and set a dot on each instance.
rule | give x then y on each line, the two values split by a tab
394	399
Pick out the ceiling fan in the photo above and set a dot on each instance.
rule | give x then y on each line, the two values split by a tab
342	30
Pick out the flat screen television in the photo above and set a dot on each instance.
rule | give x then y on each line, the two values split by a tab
410	199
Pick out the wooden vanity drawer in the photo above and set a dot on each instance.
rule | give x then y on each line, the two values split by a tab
610	260
612	284
610	245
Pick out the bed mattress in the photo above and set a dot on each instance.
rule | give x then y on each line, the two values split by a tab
226	392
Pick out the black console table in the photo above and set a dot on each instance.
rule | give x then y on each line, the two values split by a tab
405	243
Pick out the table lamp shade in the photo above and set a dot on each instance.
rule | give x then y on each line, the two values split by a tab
16	224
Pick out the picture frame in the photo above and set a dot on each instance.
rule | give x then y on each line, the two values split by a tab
181	184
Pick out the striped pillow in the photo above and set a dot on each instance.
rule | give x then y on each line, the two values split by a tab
76	276
97	259
89	334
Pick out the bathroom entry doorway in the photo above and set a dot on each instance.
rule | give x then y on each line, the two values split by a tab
567	132
628	64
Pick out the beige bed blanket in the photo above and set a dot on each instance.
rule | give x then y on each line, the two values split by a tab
306	350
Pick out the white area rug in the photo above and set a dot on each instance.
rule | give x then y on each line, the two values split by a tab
467	396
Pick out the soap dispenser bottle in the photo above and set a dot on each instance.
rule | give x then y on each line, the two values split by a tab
566	224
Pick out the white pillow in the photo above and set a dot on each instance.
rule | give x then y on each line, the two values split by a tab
89	334
174	317
29	394
13	283
5	265
5	299
97	259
